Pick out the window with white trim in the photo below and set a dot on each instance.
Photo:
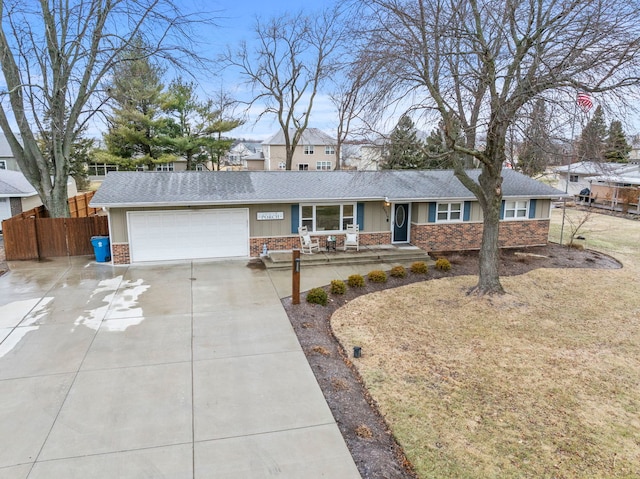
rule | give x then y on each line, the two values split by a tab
329	150
449	212
323	165
165	166
574	178
303	166
515	209
308	149
3	164
327	217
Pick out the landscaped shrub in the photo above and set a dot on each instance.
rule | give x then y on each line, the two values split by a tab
443	264
419	267
377	276
317	296
398	272
355	281
338	287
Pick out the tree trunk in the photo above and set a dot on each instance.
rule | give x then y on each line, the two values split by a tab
489	278
58	202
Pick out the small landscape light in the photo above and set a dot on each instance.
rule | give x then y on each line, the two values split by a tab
357	351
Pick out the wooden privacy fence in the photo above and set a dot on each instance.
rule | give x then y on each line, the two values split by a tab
37	237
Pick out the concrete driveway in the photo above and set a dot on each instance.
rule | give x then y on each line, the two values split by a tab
187	370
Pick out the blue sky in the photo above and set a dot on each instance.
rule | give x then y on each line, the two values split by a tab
236	20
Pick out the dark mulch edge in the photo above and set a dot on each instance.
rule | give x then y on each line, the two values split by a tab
373	447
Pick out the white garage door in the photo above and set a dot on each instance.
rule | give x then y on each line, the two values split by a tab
193	234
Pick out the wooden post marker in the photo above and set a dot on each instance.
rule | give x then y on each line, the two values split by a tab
295	277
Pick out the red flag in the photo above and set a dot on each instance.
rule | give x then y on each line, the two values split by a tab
584	102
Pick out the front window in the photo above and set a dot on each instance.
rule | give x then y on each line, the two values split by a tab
515	209
303	167
449	212
308	150
3	164
329	150
165	166
573	178
327	217
323	165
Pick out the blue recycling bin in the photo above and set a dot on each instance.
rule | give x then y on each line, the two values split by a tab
101	248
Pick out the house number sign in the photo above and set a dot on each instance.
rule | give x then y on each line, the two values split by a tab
271	215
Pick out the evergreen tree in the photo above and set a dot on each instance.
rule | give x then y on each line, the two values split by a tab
136	127
536	148
617	148
80	154
437	154
404	150
592	142
185	112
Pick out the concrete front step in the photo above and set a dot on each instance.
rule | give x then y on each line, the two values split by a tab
283	259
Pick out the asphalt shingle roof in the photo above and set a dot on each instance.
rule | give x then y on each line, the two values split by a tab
310	136
14	184
251	187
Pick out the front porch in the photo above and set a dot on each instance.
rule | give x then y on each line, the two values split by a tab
368	254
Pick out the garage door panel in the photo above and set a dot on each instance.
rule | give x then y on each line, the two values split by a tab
193	234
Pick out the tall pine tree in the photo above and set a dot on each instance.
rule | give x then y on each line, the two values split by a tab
404	149
617	148
136	126
536	148
592	142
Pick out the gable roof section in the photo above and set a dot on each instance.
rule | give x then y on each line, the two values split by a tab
132	189
13	184
310	136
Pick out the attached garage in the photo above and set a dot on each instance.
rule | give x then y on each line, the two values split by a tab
188	234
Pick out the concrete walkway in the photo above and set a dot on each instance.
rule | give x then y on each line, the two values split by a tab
185	370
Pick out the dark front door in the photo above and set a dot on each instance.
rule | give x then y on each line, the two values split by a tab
401	223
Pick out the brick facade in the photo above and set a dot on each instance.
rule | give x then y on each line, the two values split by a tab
468	236
281	243
120	252
430	237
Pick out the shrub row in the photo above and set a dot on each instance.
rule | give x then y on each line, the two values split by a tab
319	295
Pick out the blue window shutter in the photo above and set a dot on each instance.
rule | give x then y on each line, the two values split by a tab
360	216
502	210
295	218
432	213
532	208
466	214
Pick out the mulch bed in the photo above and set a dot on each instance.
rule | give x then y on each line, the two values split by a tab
372	445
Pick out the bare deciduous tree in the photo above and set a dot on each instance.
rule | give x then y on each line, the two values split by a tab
55	56
478	62
294	56
351	98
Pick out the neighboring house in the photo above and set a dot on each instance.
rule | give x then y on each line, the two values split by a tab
362	156
578	174
7	161
246	155
16	194
316	151
618	189
189	215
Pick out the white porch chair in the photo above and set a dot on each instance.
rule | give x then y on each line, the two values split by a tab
307	244
352	238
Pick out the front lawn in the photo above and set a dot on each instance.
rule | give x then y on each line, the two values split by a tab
541	382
